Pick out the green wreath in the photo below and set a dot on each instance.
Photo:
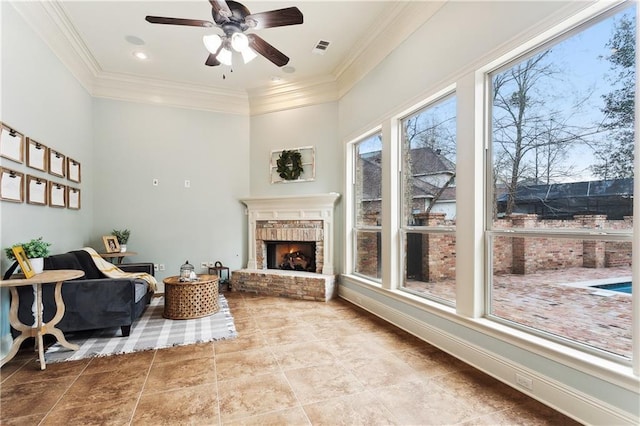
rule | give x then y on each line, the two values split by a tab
290	165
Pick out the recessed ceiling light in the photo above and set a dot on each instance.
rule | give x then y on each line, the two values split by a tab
289	69
276	79
141	55
134	40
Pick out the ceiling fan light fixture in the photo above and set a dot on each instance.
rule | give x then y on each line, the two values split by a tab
212	42
248	55
224	56
239	42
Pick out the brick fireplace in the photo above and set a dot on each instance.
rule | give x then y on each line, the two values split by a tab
299	224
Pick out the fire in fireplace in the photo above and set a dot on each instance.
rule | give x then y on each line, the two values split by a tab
291	255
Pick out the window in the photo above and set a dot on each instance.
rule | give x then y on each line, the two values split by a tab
561	187
428	158
367	194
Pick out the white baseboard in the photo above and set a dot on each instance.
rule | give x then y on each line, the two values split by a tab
567	400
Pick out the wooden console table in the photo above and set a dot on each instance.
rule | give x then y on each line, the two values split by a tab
38	329
117	256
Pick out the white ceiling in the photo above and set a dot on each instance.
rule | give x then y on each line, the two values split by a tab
90	37
176	53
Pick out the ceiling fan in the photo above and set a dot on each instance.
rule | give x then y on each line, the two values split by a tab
235	19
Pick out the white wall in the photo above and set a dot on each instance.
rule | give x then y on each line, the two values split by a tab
136	143
446	50
43	101
39	98
307	126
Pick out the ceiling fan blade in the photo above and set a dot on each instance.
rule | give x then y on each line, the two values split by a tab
179	21
212	60
275	18
267	50
221	11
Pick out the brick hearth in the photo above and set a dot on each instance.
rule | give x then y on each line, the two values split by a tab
293	284
293	218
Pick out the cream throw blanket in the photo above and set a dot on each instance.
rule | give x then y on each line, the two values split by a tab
112	271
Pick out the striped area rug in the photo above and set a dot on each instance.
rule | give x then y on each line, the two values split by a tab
151	331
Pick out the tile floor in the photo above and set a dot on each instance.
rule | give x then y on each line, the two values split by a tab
294	363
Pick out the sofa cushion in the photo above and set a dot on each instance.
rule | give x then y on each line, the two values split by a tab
63	261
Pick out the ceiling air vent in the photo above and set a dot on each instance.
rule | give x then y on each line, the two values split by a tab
321	47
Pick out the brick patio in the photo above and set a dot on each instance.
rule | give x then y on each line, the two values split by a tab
547	301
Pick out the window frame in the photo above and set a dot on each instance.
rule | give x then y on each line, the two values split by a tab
404	229
351	246
574	25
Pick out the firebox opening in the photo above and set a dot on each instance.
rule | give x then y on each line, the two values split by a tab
291	255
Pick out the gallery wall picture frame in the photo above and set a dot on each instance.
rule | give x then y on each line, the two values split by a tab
23	261
11	143
73	170
57	163
111	244
11	185
57	195
307	162
37	155
37	190
73	198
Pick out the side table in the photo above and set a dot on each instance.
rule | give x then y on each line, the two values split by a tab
190	299
117	256
38	329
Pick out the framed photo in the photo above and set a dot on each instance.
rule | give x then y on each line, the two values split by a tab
57	195
11	185
57	163
298	165
73	170
73	198
23	261
11	144
111	243
37	190
37	155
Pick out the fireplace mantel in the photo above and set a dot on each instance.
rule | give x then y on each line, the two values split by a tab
294	207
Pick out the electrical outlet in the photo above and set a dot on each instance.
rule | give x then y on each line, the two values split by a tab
161	266
524	381
203	264
155	266
187	184
155	182
212	264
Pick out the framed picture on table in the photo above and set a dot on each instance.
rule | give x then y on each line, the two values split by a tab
23	261
111	244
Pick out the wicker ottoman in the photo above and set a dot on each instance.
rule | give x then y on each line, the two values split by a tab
188	300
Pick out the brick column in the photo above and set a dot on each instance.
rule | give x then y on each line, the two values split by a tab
521	251
593	251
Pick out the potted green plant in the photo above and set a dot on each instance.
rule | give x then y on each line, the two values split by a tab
35	250
123	236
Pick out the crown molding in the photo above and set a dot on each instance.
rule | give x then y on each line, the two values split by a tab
49	20
395	26
293	95
169	93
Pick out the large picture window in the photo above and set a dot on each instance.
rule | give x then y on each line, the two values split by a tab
367	193
428	158
561	187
